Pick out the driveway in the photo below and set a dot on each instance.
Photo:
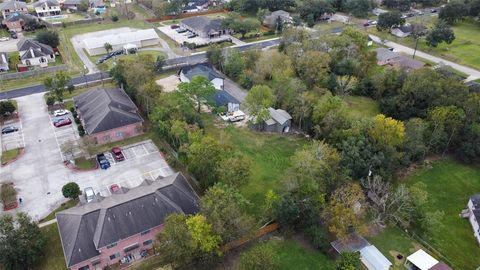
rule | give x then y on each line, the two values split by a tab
40	174
235	90
77	42
9	45
473	73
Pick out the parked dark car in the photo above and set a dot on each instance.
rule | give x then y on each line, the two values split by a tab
181	30
117	154
9	129
62	122
13	34
103	161
174	26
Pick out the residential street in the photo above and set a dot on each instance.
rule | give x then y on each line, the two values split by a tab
473	73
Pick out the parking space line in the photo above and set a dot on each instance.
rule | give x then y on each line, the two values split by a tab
21	134
56	139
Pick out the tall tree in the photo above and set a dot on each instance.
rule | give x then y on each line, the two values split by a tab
71	190
349	261
48	37
203	155
259	257
234	170
453	11
387	131
22	244
57	84
441	32
258	100
360	8
198	89
389	20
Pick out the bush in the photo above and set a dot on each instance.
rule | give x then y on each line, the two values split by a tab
260	256
81	131
114	18
50	100
77	121
72	109
74	114
71	190
317	236
6	107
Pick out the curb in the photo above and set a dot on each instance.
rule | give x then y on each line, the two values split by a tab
22	151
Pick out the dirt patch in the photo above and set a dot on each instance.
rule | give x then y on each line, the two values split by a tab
395	254
169	83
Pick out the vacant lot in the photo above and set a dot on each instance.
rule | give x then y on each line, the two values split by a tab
360	107
449	185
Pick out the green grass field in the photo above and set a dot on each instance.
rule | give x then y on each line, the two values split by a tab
269	155
449	185
465	49
68	204
360	107
53	259
9	155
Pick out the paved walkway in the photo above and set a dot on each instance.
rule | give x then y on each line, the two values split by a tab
473	74
50	222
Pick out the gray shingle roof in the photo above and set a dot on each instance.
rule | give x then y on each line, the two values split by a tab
16	16
72	2
50	3
280	116
84	229
33	49
384	54
201	70
106	109
204	24
12	5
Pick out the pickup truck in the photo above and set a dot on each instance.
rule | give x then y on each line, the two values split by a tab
103	161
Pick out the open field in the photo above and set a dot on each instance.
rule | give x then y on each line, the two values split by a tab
449	185
465	49
269	155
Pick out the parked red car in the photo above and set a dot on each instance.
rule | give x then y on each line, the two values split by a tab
117	154
62	122
114	188
174	26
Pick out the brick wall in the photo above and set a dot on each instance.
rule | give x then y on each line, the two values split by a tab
118	134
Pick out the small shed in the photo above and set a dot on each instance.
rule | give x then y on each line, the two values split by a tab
420	260
373	259
279	121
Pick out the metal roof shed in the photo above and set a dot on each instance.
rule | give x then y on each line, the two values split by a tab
420	260
373	259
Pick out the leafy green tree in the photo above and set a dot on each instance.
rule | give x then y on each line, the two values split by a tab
387	131
57	84
258	99
349	261
6	107
311	10
360	8
198	89
225	208
259	257
313	68
108	47
22	244
441	32
234	64
234	170
390	19
241	25
453	11
215	56
174	7
415	139
330	117
71	190
402	5
48	37
446	121
203	236
83	6
203	156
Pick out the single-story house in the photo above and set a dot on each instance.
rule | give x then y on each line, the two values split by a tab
139	38
223	98
16	21
387	57
186	74
420	260
473	214
108	115
97	6
120	228
8	7
3	62
34	53
196	6
402	31
71	4
205	27
279	121
47	8
370	256
283	16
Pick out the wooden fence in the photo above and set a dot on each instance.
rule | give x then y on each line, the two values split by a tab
186	15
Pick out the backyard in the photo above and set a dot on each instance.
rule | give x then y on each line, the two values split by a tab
361	107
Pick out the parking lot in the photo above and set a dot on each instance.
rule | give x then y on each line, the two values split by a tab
40	174
181	38
66	135
15	139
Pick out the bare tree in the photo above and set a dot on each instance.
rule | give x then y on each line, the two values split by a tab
69	148
387	204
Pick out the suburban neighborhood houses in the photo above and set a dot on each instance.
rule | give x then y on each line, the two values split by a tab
239	134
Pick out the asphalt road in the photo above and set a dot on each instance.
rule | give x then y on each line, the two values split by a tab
185	60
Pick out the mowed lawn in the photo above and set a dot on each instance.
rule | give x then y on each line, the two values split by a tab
361	107
449	185
53	259
269	155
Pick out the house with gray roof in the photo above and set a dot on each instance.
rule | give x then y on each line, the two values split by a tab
71	4
387	57
186	74
205	27
108	115
272	19
119	228
3	62
17	21
9	7
279	121
47	8
33	53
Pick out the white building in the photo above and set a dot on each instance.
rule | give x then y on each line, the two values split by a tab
47	8
3	62
34	53
473	215
139	38
421	260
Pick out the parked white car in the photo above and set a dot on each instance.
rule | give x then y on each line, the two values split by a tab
60	112
4	38
89	194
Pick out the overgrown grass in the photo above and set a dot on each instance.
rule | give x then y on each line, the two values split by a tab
53	259
66	205
269	155
361	107
85	164
449	185
9	155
